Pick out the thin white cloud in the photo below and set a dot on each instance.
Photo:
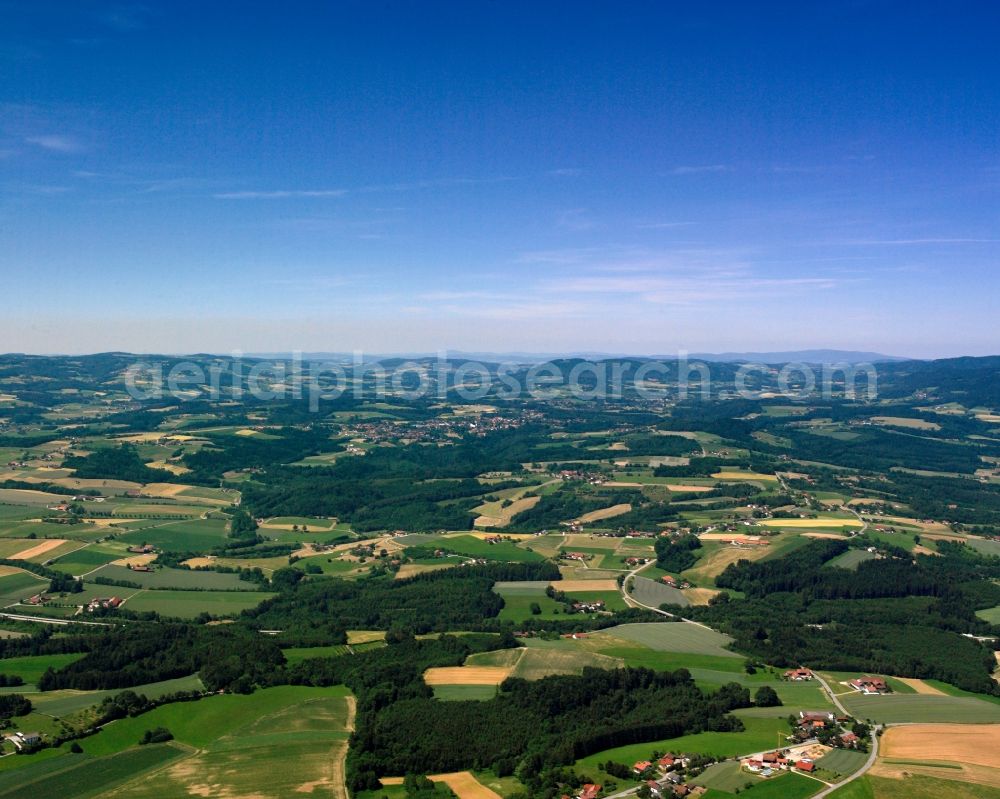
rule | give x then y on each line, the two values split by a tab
912	242
696	169
58	143
280	194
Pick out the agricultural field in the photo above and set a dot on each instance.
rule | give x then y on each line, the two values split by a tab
232	743
919	708
190	604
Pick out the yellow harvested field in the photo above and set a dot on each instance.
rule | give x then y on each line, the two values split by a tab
194	563
921	687
39	549
496	515
466	675
464	785
411	569
744	476
164	490
483	535
140	560
811	523
585	585
6	571
391	780
977	744
822	535
175	468
616	484
688	489
364	636
700	596
713	564
605	513
988	417
903	421
141	438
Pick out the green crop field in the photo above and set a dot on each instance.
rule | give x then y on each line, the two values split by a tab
518	607
246	743
478	548
31	667
901	708
726	776
653	593
676	637
177	578
915	786
189	604
992	615
87	777
852	559
194	535
63	703
464	693
784	786
297	654
20	585
842	761
534	664
760	734
86	559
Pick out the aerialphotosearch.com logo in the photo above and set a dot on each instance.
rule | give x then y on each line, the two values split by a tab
235	378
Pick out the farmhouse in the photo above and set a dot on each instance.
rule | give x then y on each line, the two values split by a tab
797	675
589	791
106	603
805	765
870	685
588	607
641	766
25	741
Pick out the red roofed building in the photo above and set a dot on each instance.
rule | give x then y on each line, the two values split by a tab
590	791
641	766
806	765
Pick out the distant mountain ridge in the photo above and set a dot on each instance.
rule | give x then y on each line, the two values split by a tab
802	356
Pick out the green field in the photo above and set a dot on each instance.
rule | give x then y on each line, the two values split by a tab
86	560
63	703
278	742
18	586
297	654
177	578
81	777
784	786
842	761
760	734
676	637
189	604
464	693
852	559
237	744
992	615
901	708
32	667
478	548
913	787
197	535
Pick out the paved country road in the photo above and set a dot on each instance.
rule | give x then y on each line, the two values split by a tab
859	773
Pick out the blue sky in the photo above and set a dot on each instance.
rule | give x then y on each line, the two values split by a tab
643	177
